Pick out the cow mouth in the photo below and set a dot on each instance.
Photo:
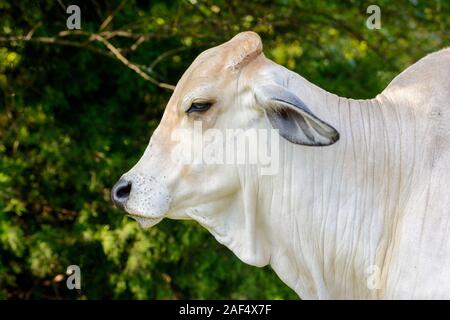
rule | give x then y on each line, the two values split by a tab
145	222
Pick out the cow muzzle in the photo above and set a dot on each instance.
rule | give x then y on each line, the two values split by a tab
143	197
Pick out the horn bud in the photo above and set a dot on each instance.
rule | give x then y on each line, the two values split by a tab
248	46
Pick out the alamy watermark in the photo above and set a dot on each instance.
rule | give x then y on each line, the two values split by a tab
374	20
373	280
74	277
229	146
74	20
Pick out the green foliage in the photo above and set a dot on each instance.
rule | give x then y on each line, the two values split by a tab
72	120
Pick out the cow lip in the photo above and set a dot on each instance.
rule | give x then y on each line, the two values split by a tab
133	215
142	216
145	222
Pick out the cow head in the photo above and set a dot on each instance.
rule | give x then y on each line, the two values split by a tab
231	86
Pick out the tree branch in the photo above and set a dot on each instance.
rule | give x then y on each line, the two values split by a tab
129	64
109	18
164	55
113	51
53	40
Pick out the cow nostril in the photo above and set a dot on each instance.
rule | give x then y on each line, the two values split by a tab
120	193
124	191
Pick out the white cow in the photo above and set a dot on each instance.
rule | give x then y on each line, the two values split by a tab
359	206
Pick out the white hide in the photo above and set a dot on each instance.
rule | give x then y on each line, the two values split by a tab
366	217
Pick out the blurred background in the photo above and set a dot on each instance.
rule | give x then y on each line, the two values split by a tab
77	108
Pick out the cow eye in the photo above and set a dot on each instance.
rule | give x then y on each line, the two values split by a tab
199	107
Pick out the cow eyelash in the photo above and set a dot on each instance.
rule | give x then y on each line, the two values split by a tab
199	107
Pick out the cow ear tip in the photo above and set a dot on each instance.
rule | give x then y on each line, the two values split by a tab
335	137
332	139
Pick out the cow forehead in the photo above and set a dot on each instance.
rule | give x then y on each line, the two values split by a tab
243	48
228	56
213	68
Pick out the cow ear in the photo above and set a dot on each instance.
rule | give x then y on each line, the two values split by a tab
294	120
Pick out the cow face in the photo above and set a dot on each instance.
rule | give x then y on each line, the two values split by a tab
161	183
231	86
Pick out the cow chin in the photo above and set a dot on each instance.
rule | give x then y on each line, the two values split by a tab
146	223
148	211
